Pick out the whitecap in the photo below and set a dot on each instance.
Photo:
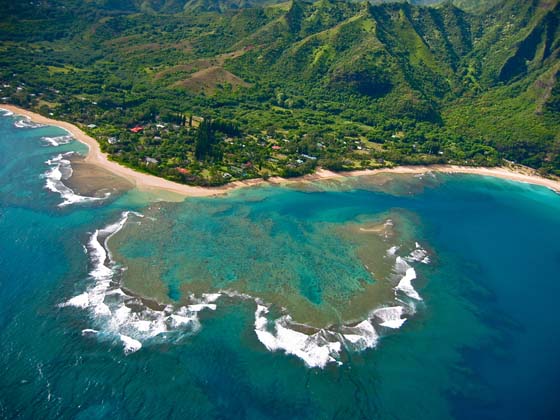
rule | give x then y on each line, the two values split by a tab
419	254
57	140
130	344
390	317
61	170
405	283
392	251
197	307
121	315
101	309
80	301
361	336
205	302
315	350
211	297
236	295
127	318
178	320
115	316
25	122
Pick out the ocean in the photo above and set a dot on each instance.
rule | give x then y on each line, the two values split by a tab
390	297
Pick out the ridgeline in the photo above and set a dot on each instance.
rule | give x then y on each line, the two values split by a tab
205	92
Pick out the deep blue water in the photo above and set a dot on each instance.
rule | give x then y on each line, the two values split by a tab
484	344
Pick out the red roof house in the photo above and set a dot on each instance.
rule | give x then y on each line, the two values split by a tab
137	129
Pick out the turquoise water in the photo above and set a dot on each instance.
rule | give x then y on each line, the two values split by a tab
483	342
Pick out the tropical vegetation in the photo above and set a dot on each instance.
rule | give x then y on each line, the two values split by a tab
206	92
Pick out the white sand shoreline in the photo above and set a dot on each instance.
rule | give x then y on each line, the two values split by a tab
147	182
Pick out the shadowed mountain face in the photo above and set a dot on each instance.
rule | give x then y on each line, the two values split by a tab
222	5
444	83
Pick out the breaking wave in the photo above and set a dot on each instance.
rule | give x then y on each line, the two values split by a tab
323	346
127	319
25	122
61	170
316	349
57	140
121	316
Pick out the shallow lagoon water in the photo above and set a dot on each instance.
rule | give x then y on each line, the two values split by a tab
482	343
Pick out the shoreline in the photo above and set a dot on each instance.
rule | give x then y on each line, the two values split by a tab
147	182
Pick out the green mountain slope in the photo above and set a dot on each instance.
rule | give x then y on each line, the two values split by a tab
517	65
353	84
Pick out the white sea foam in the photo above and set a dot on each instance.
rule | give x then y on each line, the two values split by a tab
392	251
120	316
80	301
114	317
205	302
197	307
25	122
101	309
236	295
406	284
118	292
419	254
325	345
57	140
130	344
6	113
315	350
361	336
390	317
61	170
211	297
177	320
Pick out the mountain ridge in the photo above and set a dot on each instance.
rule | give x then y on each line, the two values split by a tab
406	83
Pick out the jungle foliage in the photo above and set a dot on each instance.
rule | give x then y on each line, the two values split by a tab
237	89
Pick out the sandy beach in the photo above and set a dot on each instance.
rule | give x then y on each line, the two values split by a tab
146	182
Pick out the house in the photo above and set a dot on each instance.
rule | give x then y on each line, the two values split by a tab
151	160
275	147
183	171
137	129
91	126
112	140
